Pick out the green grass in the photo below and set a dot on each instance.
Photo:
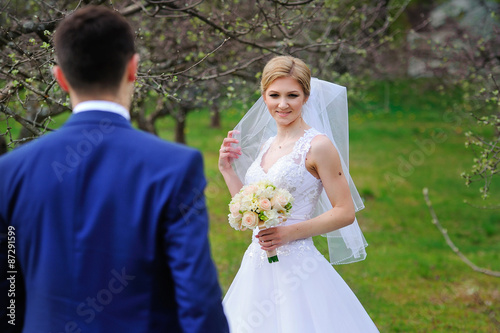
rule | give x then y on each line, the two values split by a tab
401	142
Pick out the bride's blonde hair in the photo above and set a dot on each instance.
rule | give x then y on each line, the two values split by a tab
286	66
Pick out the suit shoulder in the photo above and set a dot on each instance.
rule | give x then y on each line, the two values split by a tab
158	148
162	144
26	149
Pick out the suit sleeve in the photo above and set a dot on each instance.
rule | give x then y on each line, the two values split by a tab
197	290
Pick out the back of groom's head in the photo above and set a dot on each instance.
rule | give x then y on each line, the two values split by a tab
93	46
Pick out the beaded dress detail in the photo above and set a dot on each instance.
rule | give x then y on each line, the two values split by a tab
302	292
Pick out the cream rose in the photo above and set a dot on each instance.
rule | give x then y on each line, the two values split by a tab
264	204
250	219
249	189
279	202
235	210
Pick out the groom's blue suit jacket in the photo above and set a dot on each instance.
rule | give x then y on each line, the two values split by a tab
109	228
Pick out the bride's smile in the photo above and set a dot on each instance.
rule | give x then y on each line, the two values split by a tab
284	99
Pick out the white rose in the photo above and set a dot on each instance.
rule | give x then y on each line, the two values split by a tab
246	203
268	192
272	218
234	222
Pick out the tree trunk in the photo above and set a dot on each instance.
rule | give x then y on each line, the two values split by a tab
215	115
214	106
146	124
3	145
180	126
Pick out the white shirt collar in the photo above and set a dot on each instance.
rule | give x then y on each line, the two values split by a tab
102	106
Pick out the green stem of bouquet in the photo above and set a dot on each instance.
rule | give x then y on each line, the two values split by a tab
272	259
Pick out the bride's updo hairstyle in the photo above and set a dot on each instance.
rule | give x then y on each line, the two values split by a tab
286	66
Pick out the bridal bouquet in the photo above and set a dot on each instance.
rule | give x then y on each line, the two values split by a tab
260	205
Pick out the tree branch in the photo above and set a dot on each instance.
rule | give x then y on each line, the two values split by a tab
235	69
203	59
194	13
26	28
292	4
26	123
40	93
450	243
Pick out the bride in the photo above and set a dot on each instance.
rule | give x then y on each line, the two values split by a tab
296	137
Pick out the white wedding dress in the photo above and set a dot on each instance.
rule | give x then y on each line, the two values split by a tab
302	293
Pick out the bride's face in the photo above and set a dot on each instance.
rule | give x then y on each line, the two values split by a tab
284	99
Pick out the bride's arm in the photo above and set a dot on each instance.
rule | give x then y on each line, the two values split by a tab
226	155
323	162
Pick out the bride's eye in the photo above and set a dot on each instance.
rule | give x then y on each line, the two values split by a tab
274	95
293	95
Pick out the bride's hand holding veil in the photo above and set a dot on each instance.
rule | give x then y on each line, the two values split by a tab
227	153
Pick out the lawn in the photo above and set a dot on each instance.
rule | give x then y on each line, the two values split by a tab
401	142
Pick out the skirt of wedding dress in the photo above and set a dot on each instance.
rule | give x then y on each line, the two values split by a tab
302	293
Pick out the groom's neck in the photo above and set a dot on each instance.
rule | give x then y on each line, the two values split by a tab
122	97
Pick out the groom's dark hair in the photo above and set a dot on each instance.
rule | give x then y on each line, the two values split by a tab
93	46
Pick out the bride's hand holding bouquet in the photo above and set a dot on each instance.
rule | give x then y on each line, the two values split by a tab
260	205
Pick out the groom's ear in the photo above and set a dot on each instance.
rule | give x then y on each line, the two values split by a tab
61	79
132	66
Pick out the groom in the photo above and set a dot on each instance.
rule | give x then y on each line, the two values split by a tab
108	224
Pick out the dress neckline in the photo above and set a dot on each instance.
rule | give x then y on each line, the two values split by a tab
268	145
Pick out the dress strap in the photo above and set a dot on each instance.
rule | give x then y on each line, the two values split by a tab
303	145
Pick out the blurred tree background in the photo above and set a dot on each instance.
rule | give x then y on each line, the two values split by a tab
193	52
182	43
423	85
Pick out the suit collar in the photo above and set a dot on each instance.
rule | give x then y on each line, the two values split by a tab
103	106
97	116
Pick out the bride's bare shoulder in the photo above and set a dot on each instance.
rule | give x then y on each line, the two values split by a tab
322	144
322	148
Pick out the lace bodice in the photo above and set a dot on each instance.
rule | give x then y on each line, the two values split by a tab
289	172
